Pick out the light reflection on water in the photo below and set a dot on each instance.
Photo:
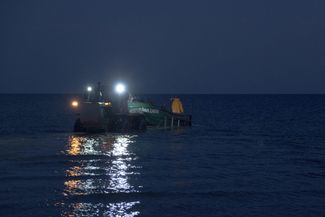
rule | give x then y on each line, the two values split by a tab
102	165
99	209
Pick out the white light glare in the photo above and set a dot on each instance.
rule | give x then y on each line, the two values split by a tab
89	88
120	88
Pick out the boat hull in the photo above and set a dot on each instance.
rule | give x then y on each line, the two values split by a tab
95	118
159	117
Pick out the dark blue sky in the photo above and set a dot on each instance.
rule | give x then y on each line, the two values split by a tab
228	46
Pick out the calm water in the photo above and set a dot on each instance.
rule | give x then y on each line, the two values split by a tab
246	155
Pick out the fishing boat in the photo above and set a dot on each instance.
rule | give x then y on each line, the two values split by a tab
118	111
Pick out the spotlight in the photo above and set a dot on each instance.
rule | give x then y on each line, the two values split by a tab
120	88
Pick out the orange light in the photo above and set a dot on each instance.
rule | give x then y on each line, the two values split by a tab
75	103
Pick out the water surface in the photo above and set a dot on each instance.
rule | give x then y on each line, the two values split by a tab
246	155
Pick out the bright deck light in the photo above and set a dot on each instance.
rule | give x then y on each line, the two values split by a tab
89	88
120	88
75	103
107	103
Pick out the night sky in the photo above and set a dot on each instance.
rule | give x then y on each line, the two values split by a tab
227	46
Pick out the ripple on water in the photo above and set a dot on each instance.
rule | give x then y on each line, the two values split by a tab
106	170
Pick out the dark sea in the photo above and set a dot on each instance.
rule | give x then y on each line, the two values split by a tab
245	155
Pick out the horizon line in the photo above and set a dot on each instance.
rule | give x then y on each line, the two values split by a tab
173	93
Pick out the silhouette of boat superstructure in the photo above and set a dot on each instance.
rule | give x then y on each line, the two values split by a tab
116	111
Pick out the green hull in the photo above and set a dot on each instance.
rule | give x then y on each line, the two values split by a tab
158	117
